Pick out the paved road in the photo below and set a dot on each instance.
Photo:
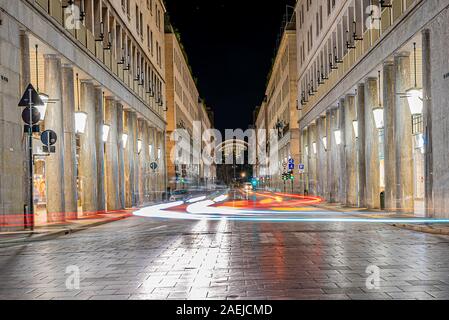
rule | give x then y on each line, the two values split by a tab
145	258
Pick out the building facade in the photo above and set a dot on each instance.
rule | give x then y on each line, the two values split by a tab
187	119
278	113
373	91
101	65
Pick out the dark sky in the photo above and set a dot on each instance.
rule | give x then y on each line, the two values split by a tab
230	45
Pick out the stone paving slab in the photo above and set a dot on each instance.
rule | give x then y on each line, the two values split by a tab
145	259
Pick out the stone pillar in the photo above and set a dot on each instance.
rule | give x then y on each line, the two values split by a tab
121	156
112	147
351	152
427	94
329	155
372	146
360	100
322	157
70	165
130	164
305	161
54	120
404	138
100	121
333	164
312	159
389	100
88	155
143	165
342	177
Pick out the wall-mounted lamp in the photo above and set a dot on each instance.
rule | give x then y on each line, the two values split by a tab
124	140
106	129
80	116
139	146
324	139
355	125
337	134
379	117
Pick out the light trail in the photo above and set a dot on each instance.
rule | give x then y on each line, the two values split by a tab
208	210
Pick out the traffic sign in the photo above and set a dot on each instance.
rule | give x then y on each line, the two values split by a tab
301	167
291	161
31	117
35	99
49	138
291	166
153	166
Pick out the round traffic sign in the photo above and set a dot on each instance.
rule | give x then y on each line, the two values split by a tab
49	138
31	118
153	166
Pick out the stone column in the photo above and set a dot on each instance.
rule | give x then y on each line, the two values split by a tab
163	161
322	157
143	165
54	120
372	146
305	160
360	100
88	155
342	177
329	155
427	94
334	157
70	165
130	164
389	100
351	152
112	157
100	121
121	156
312	159
404	138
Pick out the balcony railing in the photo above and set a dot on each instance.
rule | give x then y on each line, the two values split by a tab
87	39
389	16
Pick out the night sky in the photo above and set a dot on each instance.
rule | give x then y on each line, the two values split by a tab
230	45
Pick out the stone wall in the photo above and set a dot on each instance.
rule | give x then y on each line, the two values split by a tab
12	151
439	68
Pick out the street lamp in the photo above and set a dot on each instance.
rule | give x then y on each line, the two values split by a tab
355	124
80	116
139	146
80	122
415	94
124	140
415	101
106	129
337	134
325	143
43	108
379	117
314	148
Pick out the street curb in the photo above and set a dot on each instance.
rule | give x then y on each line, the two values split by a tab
36	237
421	228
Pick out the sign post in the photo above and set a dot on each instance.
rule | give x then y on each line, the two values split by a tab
31	117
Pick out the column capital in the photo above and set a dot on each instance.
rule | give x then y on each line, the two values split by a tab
67	66
402	54
51	56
